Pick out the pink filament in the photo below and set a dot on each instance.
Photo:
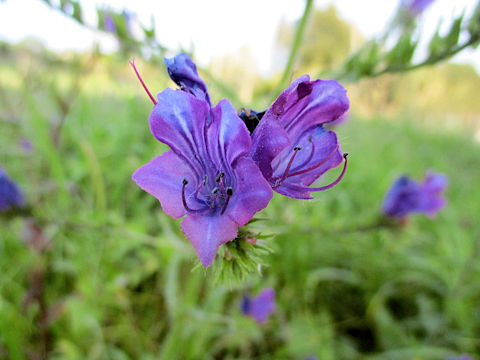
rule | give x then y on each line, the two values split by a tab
142	82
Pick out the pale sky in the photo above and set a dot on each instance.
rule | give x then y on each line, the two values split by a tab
210	27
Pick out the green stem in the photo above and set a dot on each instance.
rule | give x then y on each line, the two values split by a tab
295	47
429	61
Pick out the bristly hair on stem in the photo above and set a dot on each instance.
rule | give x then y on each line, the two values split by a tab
142	82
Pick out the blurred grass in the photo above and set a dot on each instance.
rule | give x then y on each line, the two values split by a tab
119	270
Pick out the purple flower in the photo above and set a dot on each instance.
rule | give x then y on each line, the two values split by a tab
27	145
183	72
207	175
109	24
407	196
290	145
461	357
259	307
416	7
10	194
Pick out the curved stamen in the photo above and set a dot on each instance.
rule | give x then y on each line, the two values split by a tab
336	181
220	181
229	195
316	165
142	82
184	200
203	183
289	165
298	167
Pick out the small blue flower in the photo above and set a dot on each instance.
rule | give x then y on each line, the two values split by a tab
408	196
259	307
10	194
109	24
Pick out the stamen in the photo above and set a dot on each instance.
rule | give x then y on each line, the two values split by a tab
289	165
219	177
316	165
203	183
229	194
336	181
142	82
184	200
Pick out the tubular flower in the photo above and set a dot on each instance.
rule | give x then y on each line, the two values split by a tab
290	145
259	307
407	196
207	175
10	194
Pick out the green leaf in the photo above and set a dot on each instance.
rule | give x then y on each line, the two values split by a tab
454	34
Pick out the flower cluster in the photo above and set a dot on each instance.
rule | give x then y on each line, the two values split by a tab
407	196
222	168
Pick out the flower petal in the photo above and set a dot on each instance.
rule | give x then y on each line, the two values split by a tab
179	120
183	72
10	194
262	306
268	140
207	233
306	104
162	177
402	198
252	192
228	137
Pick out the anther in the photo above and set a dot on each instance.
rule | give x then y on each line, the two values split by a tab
184	199
219	177
229	195
142	82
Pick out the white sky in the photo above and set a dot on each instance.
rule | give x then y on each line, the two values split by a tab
211	27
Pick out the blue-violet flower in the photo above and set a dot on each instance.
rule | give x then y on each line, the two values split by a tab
10	194
408	196
207	175
259	307
416	7
290	145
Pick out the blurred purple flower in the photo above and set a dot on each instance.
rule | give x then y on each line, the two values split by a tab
27	145
416	7
10	194
461	357
407	196
183	72
259	307
109	23
290	145
206	175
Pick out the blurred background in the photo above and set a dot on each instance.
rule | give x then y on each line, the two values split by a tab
90	267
